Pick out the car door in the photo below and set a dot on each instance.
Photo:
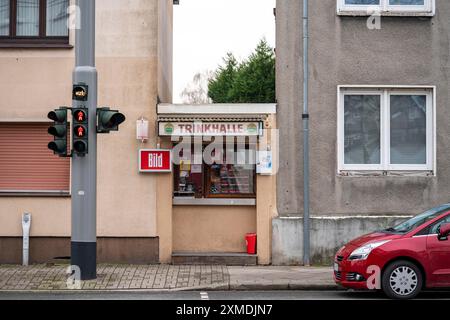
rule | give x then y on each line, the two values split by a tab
439	256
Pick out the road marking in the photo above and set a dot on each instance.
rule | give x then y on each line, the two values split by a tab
204	295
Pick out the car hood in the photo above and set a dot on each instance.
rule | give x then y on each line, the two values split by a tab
363	240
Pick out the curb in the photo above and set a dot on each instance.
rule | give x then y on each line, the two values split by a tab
283	287
221	287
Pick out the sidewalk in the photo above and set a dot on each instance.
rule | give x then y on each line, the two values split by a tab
168	277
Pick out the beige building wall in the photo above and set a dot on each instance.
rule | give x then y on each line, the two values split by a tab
165	80
33	82
267	196
212	229
164	217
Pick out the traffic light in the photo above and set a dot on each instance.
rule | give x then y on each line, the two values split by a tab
109	120
80	131
59	131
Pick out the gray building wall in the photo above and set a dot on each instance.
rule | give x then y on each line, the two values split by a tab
405	51
328	234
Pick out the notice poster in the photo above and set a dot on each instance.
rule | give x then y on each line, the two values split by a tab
196	168
185	165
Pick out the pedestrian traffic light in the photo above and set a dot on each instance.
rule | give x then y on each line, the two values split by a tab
80	131
109	120
59	131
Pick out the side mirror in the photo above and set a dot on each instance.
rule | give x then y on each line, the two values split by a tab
444	232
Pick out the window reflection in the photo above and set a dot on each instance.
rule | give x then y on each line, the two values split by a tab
362	129
408	129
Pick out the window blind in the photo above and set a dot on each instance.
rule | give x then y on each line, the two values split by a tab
26	164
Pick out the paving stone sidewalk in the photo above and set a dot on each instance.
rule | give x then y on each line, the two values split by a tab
167	277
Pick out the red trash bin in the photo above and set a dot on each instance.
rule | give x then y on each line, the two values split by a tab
250	239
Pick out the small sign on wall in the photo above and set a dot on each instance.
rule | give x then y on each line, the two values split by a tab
264	166
155	160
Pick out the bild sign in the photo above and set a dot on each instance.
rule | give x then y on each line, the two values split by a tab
155	160
181	129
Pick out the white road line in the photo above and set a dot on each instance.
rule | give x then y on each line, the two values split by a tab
204	295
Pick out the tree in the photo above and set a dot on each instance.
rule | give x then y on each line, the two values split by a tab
252	81
221	84
197	91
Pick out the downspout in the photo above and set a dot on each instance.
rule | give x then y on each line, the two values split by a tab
305	118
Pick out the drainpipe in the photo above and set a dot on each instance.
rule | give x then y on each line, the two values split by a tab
305	118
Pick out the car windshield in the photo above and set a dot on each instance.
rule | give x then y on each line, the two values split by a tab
419	220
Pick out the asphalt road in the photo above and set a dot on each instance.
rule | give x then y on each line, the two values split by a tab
217	295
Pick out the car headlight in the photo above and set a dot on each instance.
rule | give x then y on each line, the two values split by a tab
362	253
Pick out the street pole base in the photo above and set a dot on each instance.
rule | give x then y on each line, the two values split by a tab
84	255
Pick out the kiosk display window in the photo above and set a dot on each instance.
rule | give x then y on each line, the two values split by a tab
230	174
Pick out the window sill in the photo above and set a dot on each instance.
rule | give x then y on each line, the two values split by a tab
364	13
25	194
365	174
7	45
180	201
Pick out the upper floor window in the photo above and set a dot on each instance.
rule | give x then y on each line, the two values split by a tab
34	22
386	129
386	7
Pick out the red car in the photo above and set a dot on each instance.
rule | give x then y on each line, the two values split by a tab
401	260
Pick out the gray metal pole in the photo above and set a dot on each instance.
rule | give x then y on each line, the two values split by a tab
305	118
84	168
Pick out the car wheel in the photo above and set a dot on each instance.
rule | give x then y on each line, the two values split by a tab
402	280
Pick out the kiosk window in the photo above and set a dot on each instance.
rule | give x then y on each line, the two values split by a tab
230	175
188	176
231	178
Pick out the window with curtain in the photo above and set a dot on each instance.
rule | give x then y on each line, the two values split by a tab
27	18
34	21
362	129
4	17
57	16
386	130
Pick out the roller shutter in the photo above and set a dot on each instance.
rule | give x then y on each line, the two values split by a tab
25	162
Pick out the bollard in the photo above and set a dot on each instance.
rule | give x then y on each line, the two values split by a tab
26	225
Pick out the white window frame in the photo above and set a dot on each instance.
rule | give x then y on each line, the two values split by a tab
385	92
385	9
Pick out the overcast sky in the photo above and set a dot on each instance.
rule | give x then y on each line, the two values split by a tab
205	30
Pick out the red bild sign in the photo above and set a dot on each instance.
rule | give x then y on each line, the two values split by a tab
155	160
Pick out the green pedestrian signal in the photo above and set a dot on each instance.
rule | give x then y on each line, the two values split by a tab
59	131
109	120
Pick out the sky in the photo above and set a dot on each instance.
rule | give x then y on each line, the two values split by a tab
205	30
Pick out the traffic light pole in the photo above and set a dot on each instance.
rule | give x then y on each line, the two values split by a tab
84	167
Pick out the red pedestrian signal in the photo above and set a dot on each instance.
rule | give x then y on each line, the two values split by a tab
80	131
80	116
